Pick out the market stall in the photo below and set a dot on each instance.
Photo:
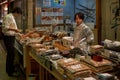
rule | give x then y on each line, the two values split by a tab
56	60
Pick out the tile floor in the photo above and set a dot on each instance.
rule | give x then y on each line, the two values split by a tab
3	74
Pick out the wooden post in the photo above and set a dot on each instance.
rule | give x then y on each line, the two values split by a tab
98	19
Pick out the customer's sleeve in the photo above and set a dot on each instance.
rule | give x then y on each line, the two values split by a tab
6	23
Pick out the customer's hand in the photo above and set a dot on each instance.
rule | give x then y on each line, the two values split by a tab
16	30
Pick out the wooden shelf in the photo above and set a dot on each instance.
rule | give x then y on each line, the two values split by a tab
42	25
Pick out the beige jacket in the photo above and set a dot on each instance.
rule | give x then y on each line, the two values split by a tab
9	23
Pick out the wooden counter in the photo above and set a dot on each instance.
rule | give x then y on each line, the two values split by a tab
45	73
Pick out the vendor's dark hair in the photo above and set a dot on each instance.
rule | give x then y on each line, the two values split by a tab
17	10
80	15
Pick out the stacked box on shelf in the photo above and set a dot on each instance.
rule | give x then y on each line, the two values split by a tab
62	63
73	68
96	48
97	66
60	47
67	41
77	70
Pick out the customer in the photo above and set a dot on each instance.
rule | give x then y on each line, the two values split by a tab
83	36
9	30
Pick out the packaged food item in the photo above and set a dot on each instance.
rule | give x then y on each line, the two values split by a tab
67	62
